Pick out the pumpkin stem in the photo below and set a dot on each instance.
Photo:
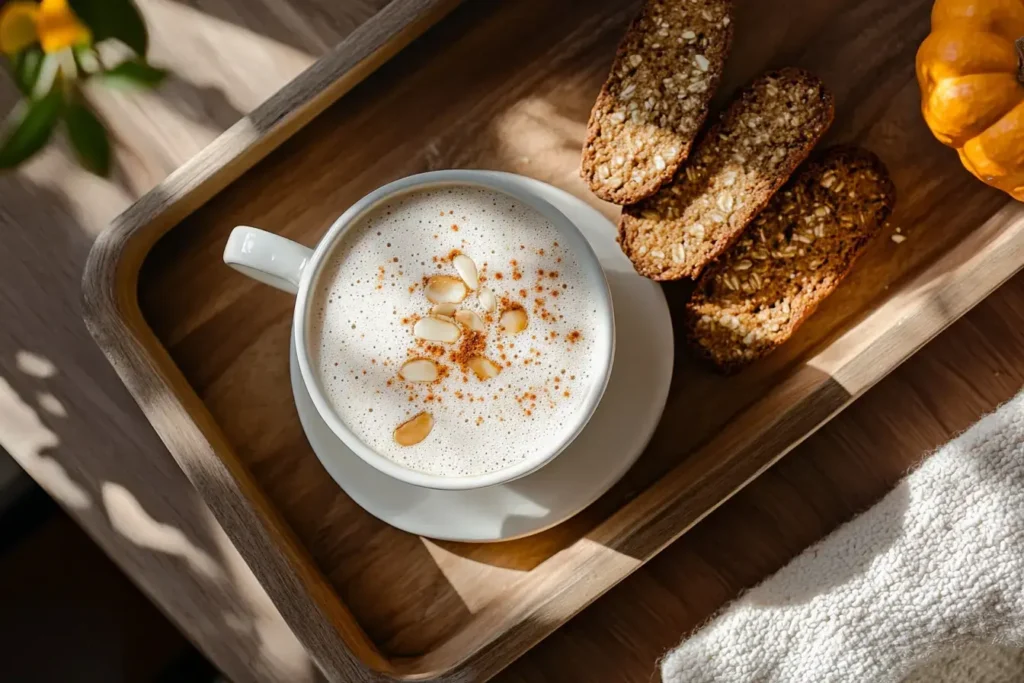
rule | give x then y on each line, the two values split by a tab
1019	44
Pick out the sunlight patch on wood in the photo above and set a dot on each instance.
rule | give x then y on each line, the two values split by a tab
34	365
538	141
27	439
452	566
189	41
130	519
280	650
929	301
51	404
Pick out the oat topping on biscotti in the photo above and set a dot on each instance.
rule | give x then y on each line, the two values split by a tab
736	167
656	97
753	298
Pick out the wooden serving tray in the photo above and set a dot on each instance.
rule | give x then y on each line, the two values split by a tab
505	86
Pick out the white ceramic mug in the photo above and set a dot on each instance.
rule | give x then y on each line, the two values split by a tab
294	268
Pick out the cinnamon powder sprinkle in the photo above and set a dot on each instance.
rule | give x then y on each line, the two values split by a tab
435	350
470	344
574	336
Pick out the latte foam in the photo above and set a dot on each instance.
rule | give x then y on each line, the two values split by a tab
497	397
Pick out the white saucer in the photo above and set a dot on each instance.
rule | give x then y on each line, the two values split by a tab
612	440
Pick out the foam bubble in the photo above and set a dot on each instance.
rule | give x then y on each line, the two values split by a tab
371	291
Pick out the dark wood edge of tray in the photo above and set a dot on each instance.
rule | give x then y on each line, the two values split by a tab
571	579
109	294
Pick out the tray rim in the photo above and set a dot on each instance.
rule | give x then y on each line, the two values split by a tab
611	551
112	314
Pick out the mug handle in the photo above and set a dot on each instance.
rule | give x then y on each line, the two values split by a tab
266	257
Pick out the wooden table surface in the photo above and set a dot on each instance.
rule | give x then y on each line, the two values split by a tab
67	420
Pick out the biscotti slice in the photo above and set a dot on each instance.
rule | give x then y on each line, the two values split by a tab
656	97
791	257
737	166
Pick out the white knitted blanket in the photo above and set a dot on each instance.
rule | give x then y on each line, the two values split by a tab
926	586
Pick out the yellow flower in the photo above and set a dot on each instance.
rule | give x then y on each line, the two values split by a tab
58	27
18	26
52	23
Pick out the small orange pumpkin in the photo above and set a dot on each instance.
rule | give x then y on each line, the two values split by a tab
971	72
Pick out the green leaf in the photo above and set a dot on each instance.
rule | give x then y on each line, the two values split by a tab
27	65
88	138
30	129
114	19
132	74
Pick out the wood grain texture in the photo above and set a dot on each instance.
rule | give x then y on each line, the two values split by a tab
835	474
65	416
484	96
315	612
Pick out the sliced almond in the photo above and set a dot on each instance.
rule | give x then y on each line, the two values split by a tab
445	289
513	321
418	370
467	270
447	310
436	330
483	368
470	320
488	300
415	430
